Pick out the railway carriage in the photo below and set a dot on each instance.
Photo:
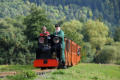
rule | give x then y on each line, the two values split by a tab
49	51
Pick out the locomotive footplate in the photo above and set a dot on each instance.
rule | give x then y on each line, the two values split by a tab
45	63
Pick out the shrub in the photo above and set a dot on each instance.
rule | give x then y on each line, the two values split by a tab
117	45
106	55
89	53
30	74
26	75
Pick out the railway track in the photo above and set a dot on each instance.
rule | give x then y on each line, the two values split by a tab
4	74
38	72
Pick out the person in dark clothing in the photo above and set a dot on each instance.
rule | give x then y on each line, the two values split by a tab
60	33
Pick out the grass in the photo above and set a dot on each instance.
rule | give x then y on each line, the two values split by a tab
86	72
4	68
24	72
82	71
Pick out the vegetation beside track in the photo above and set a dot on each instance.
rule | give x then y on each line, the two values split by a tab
24	72
4	68
82	71
86	72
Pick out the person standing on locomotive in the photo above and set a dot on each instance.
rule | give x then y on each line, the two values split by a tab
44	32
60	33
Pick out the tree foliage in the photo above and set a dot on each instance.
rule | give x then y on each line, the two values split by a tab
73	30
117	34
35	21
117	46
106	55
89	52
96	33
13	8
13	43
86	22
105	10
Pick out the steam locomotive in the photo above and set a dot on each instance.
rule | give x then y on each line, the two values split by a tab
49	52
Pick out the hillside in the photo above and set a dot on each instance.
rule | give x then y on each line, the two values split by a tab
105	10
92	24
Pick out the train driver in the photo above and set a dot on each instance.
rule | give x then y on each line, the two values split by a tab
60	33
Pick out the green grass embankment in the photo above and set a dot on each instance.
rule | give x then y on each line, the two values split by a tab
5	68
82	71
86	72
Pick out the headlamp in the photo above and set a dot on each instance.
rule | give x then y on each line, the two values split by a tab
41	40
56	40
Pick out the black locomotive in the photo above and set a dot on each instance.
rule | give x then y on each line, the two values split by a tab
49	50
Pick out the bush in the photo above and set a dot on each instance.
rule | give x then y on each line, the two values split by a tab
106	55
118	62
89	53
117	45
30	74
26	75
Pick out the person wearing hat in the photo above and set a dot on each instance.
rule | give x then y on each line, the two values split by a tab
60	33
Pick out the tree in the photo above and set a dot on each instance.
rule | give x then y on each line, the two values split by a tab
73	30
107	55
13	8
89	52
35	21
117	46
12	41
96	33
117	34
